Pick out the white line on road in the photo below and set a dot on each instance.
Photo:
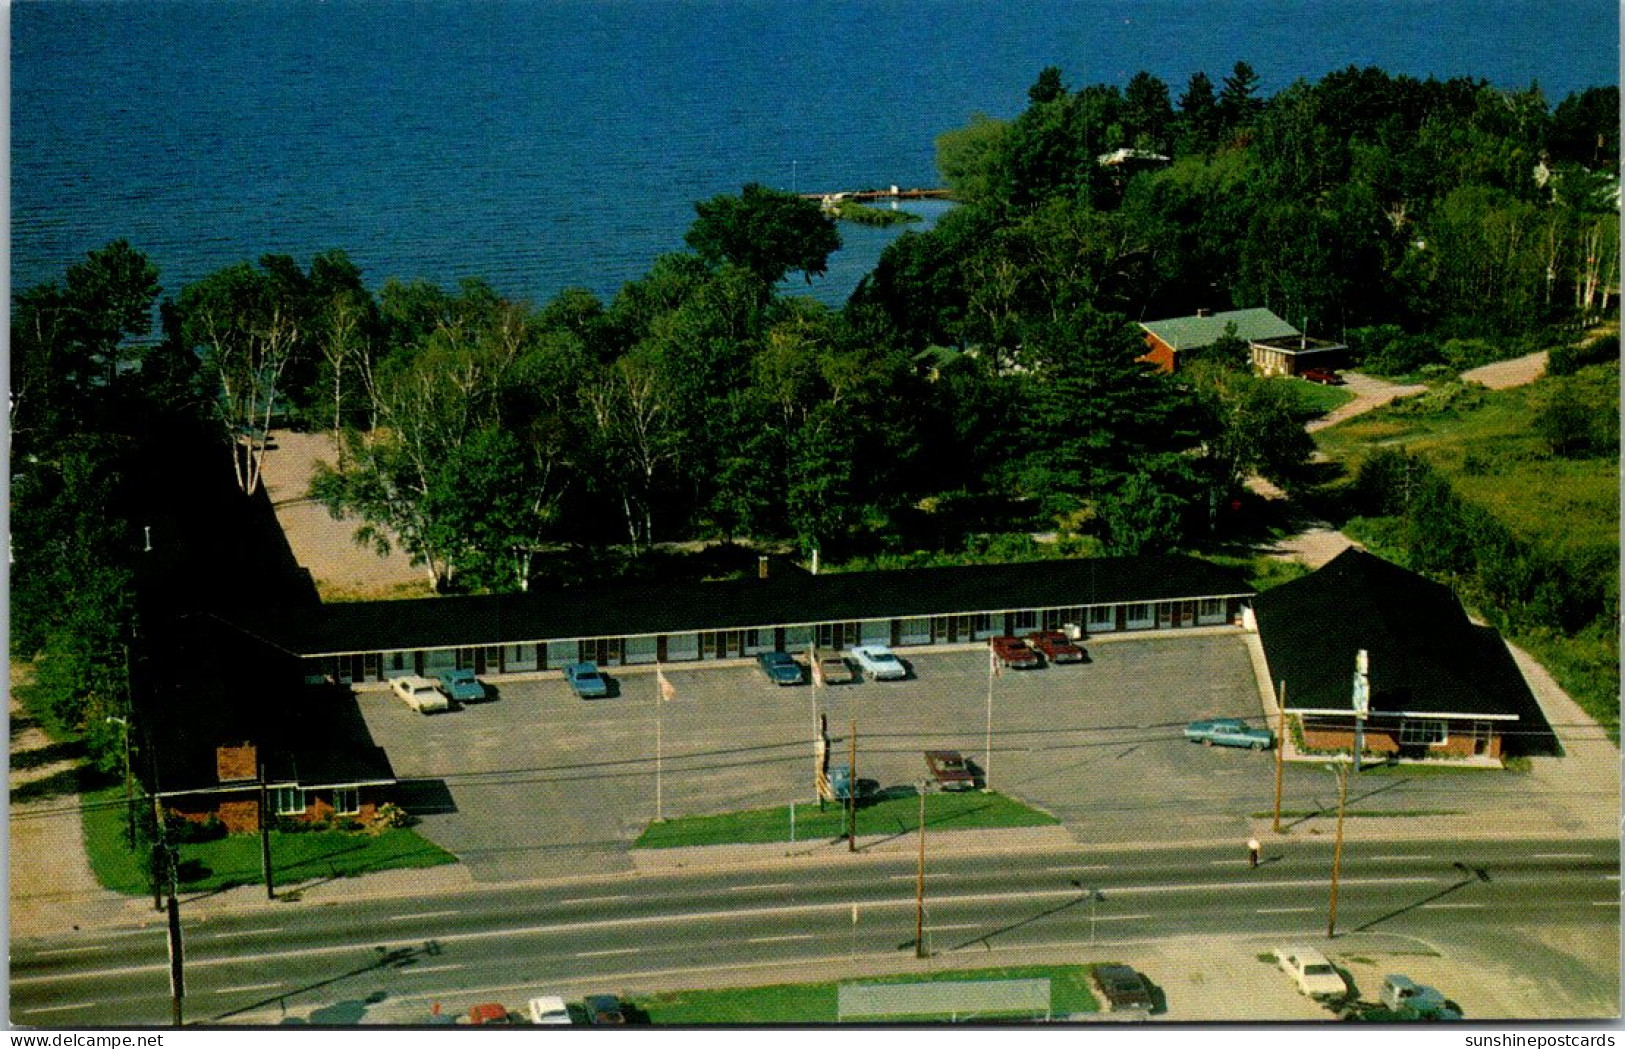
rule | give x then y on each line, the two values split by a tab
435	969
245	932
1120	918
961	925
71	950
1397	859
782	939
248	987
605	954
1452	906
1605	903
1610	877
1558	856
1228	863
1085	867
596	899
60	1008
773	885
1287	910
424	914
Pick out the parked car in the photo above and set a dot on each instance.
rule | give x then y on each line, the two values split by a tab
878	662
1123	989
1404	995
586	681
1057	647
840	784
835	670
1229	732
462	686
1313	974
548	1010
488	1013
419	693
781	668
1013	652
949	769
1324	376
604	1009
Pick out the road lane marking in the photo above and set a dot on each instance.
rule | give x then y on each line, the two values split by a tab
782	939
929	874
1453	906
248	987
605	954
60	1008
1121	918
245	932
1558	856
739	914
1286	910
1610	877
1084	867
1605	903
596	899
774	885
961	925
435	968
71	950
1228	863
425	914
1393	859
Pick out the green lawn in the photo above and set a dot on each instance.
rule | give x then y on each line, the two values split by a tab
1315	400
816	1003
235	859
967	811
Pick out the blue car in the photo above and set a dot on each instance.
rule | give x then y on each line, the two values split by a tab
462	686
585	679
781	668
1229	732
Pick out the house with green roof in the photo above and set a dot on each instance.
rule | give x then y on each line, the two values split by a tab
1277	347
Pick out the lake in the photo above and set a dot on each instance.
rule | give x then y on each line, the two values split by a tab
544	144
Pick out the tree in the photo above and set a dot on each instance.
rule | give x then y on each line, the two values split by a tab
1047	88
766	231
1238	103
1198	114
1255	425
968	157
630	412
1147	112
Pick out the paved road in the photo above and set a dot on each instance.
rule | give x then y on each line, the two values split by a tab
391	959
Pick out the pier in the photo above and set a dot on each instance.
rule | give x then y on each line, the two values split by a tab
893	193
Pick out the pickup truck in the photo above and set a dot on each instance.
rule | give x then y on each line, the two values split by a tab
1229	732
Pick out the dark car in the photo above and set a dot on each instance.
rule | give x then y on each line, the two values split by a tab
585	679
462	686
1324	376
1124	989
1013	652
1057	647
781	668
604	1009
950	770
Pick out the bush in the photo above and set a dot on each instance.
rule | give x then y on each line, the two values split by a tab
1462	354
180	830
1566	360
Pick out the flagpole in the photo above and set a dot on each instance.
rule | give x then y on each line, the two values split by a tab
660	721
987	754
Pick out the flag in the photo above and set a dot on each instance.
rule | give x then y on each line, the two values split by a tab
821	761
817	671
667	692
993	662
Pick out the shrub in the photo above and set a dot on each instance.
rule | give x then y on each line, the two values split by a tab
1566	360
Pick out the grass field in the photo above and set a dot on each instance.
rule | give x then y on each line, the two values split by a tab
235	859
1315	400
816	1003
898	815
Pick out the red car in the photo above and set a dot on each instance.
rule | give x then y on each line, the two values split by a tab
1013	652
1056	646
950	770
488	1013
1325	376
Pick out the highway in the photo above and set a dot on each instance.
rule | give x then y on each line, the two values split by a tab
738	926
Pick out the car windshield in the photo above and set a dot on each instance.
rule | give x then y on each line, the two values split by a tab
882	657
1318	969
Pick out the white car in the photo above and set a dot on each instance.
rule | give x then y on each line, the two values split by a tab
549	1010
420	694
877	662
1313	974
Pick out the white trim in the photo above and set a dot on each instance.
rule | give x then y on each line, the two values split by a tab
1347	712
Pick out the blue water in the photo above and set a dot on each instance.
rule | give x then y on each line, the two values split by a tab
544	144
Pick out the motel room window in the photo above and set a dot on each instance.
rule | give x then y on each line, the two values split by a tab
1101	617
1212	606
346	801
290	801
1428	733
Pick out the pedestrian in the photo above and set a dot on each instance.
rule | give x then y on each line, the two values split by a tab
1253	851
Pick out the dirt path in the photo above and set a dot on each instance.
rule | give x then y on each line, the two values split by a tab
1501	375
1368	393
51	887
322	545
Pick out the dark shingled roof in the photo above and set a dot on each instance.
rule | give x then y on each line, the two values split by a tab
1426	656
627	610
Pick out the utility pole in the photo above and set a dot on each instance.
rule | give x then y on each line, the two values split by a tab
919	887
1337	850
852	794
1280	748
987	752
265	836
177	951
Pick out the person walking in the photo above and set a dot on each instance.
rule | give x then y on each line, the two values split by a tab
1253	851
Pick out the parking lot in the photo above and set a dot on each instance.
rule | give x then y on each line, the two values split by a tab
538	781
